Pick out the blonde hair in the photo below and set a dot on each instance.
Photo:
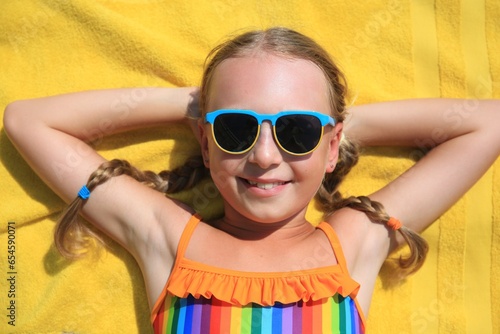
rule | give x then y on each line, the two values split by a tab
285	43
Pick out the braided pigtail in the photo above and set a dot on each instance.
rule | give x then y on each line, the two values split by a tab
330	199
185	176
73	237
377	214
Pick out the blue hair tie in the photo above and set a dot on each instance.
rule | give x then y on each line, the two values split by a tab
84	193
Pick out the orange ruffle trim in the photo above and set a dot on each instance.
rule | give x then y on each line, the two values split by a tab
241	288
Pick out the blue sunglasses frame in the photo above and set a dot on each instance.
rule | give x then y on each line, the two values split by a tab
323	119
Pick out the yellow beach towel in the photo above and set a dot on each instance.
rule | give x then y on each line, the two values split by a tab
389	50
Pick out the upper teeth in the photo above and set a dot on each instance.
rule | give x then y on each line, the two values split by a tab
265	185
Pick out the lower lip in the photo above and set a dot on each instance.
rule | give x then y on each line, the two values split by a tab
263	192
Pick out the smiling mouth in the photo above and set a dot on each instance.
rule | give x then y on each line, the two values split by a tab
265	186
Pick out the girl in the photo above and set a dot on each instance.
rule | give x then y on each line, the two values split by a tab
272	133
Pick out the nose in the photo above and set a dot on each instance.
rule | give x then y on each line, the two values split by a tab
265	152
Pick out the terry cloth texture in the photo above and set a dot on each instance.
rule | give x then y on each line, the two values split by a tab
389	50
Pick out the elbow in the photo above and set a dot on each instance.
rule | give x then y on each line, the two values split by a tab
9	118
14	119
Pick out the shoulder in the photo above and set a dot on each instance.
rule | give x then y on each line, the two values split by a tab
156	252
171	219
364	243
365	246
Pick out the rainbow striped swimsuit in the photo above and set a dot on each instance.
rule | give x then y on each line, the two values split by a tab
203	299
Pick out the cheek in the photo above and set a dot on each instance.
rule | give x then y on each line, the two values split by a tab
224	175
222	166
312	169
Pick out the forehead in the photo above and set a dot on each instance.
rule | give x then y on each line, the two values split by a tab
268	83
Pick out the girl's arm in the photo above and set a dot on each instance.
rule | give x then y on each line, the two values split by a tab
52	134
461	141
460	136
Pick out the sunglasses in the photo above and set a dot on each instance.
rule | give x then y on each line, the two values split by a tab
296	132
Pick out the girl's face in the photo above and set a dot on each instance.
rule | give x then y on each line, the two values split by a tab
266	184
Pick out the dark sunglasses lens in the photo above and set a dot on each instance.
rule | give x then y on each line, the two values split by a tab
235	132
298	133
